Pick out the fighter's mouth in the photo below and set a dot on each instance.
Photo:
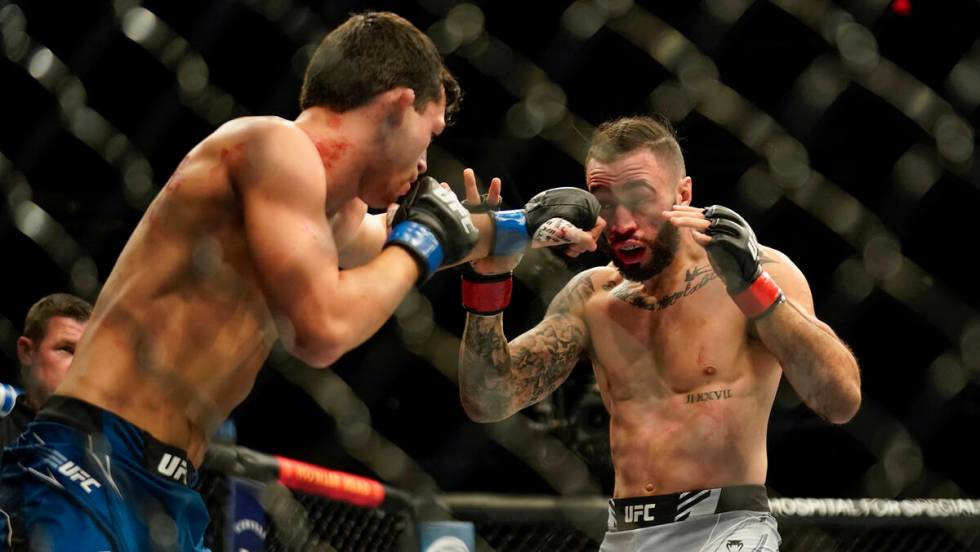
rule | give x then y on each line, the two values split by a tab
630	251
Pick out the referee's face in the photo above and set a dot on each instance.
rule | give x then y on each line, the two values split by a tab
47	360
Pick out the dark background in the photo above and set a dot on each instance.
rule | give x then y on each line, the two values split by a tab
845	132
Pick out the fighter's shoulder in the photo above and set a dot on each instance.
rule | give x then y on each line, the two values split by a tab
605	277
585	283
257	129
780	266
271	144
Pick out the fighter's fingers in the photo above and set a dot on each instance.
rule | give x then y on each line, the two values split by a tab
493	194
697	223
585	240
600	225
701	238
469	183
687	208
555	231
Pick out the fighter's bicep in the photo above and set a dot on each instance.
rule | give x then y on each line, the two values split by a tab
286	228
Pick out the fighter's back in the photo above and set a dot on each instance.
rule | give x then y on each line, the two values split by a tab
181	327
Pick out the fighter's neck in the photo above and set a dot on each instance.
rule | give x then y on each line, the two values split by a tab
340	139
688	257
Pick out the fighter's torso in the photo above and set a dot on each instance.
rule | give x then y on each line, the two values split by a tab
688	390
181	327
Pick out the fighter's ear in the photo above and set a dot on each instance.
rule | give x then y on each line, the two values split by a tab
25	350
684	191
394	103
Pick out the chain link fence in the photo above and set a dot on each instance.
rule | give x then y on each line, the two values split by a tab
845	131
303	521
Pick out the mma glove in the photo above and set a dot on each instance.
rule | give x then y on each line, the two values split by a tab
734	253
489	294
433	226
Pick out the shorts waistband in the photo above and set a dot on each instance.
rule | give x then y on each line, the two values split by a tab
125	438
646	511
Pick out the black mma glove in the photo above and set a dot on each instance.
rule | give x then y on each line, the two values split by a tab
734	253
489	294
514	229
433	226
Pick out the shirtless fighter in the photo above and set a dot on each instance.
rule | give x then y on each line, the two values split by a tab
243	246
688	335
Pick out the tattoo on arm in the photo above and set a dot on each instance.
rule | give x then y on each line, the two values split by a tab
574	295
500	378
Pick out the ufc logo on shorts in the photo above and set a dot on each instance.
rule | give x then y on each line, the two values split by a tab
639	512
75	473
173	467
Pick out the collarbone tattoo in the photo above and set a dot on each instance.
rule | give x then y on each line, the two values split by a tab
632	293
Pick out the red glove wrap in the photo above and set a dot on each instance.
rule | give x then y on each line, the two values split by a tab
758	300
486	295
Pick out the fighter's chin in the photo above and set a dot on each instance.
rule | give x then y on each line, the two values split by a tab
633	272
640	271
379	202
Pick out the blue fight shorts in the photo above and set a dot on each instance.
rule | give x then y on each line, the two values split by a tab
83	479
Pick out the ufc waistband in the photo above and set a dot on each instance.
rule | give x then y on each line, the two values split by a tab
158	458
647	511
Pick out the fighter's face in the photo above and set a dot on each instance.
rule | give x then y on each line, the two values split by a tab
634	191
404	145
48	359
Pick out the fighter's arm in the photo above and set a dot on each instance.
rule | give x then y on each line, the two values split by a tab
367	241
497	379
776	298
817	363
280	183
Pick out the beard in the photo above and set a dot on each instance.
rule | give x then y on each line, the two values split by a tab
661	255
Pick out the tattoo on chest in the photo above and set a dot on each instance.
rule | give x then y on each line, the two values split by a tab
632	293
719	395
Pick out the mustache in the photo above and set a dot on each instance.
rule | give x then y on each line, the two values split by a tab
618	240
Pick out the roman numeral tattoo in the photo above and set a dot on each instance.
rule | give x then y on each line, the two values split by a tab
719	395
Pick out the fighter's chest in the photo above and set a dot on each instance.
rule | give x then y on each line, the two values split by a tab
693	332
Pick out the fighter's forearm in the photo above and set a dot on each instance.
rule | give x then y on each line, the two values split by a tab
485	380
484	224
816	362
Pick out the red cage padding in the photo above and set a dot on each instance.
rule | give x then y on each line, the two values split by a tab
335	485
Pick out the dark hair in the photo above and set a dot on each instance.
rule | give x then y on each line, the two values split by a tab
618	137
56	304
373	52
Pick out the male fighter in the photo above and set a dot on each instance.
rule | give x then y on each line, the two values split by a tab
243	246
688	335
